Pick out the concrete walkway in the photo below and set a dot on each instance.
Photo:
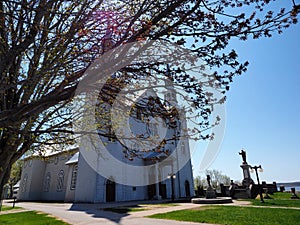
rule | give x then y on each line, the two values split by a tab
90	214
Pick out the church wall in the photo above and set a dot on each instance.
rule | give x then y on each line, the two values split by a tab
57	171
31	179
122	192
186	175
130	193
38	169
86	182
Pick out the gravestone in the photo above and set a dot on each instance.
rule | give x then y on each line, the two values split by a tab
294	196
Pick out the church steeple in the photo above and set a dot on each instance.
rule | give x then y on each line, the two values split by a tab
170	93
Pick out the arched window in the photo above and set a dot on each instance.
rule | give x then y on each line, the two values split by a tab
24	183
74	177
153	129
60	181
183	148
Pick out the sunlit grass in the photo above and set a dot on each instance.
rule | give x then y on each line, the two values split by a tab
280	199
235	215
29	218
6	208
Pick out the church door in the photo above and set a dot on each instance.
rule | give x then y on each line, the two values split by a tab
110	191
151	191
187	189
163	190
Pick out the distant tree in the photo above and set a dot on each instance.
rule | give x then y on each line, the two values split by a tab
15	176
47	45
217	178
199	182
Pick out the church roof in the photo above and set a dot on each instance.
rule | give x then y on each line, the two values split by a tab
155	155
74	159
49	152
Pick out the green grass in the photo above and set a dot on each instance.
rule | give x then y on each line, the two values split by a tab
235	215
29	218
281	195
278	199
6	208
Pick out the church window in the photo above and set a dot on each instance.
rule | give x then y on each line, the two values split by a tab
183	147
24	183
74	177
153	129
60	181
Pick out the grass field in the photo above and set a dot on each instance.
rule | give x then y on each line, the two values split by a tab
29	218
6	208
278	199
235	215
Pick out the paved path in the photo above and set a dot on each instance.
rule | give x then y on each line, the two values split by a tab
91	214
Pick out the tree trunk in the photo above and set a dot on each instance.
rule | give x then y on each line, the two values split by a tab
4	177
5	167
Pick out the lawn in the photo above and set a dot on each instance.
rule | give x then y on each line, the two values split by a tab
235	215
6	208
29	218
278	199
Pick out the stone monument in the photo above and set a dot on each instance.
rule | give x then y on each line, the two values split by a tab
210	191
294	195
246	170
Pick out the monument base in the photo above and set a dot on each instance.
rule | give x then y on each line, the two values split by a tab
210	193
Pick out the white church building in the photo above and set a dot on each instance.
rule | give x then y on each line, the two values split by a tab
68	175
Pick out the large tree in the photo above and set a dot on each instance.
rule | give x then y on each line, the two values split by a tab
47	45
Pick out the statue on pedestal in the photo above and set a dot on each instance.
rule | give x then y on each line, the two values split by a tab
243	154
208	180
210	191
246	170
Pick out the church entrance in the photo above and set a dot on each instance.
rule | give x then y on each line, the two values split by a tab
110	191
187	189
163	190
151	191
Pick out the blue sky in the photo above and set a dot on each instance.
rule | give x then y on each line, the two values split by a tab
263	110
